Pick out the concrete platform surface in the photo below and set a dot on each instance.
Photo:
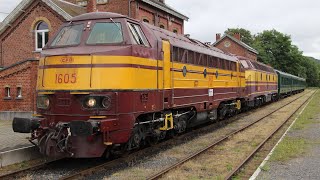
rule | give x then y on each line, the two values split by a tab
10	140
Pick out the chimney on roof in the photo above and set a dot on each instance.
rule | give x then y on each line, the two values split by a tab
218	36
237	36
92	6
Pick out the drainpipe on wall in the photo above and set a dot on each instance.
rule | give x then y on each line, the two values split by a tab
1	55
129	8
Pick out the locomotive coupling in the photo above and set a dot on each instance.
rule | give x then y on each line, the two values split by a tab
25	125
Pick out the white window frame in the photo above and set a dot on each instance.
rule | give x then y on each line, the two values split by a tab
43	33
7	90
19	92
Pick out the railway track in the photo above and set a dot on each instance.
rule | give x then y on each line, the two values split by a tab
110	164
140	154
127	159
251	155
163	172
19	173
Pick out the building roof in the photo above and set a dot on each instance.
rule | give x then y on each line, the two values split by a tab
65	9
164	7
246	46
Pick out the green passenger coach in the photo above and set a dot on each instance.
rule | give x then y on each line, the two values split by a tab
289	84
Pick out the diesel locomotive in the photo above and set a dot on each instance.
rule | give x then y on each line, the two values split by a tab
108	84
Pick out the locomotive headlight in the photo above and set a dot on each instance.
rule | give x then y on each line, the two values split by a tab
91	102
43	102
106	102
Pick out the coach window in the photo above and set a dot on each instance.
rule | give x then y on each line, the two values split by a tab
138	35
41	34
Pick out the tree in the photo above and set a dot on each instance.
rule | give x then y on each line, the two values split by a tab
245	35
276	49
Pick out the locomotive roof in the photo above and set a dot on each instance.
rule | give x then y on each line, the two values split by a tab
185	42
97	15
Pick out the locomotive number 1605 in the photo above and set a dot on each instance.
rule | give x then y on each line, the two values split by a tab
66	78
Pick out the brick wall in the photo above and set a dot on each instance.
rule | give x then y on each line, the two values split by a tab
140	11
23	75
162	18
235	48
18	42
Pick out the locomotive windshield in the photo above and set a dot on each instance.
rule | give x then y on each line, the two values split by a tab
106	33
69	36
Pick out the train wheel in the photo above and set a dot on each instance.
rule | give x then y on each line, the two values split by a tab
222	111
136	138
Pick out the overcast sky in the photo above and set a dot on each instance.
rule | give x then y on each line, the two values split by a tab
298	18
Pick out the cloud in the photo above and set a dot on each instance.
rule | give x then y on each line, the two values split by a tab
299	19
6	6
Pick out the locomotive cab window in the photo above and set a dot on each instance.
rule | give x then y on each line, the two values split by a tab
137	35
68	36
106	33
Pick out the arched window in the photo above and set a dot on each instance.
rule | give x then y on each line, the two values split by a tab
162	26
42	34
175	31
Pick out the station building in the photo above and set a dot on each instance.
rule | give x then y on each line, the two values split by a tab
234	45
26	30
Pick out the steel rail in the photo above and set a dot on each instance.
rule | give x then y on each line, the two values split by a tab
20	172
137	154
166	170
237	169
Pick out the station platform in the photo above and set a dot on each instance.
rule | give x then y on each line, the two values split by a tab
10	140
298	155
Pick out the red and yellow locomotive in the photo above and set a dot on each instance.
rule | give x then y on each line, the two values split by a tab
109	84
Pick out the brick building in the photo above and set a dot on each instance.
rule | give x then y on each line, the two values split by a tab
234	45
155	12
26	30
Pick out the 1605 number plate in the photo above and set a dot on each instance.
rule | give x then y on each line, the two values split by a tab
66	78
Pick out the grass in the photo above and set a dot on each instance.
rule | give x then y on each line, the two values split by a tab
292	147
266	167
229	167
289	148
306	118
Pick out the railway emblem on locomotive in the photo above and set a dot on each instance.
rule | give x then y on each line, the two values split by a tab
66	59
